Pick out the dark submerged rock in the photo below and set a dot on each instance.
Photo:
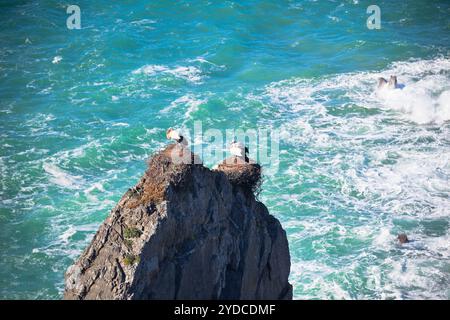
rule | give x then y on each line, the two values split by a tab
402	238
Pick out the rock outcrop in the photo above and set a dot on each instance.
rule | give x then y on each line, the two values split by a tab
184	232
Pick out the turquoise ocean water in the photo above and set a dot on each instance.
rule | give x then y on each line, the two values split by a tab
81	111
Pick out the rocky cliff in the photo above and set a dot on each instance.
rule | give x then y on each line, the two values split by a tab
184	232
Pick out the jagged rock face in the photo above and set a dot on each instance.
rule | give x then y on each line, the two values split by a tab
202	238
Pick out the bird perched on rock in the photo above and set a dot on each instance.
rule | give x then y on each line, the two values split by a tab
391	84
237	149
175	135
382	82
178	155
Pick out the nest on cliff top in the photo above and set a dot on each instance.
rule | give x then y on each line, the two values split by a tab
244	174
169	166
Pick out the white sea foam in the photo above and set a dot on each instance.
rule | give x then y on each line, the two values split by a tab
145	23
188	73
314	284
66	235
61	177
188	104
424	98
205	64
153	131
65	156
120	124
422	101
151	69
95	186
383	155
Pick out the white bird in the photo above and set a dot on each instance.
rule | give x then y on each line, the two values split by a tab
382	82
175	135
239	150
56	59
391	84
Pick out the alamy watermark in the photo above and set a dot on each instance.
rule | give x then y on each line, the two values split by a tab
374	20
212	146
74	20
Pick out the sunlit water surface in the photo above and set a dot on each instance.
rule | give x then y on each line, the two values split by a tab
81	111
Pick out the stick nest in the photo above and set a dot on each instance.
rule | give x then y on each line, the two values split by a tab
244	174
171	166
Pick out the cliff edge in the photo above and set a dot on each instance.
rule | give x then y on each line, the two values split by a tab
184	232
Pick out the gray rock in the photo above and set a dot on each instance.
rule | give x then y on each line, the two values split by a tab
402	238
184	232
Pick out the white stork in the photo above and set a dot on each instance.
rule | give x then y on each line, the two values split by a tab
239	150
175	135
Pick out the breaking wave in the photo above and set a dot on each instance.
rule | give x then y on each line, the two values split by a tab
363	166
189	73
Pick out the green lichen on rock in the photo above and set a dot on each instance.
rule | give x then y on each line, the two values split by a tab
128	242
130	233
131	259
